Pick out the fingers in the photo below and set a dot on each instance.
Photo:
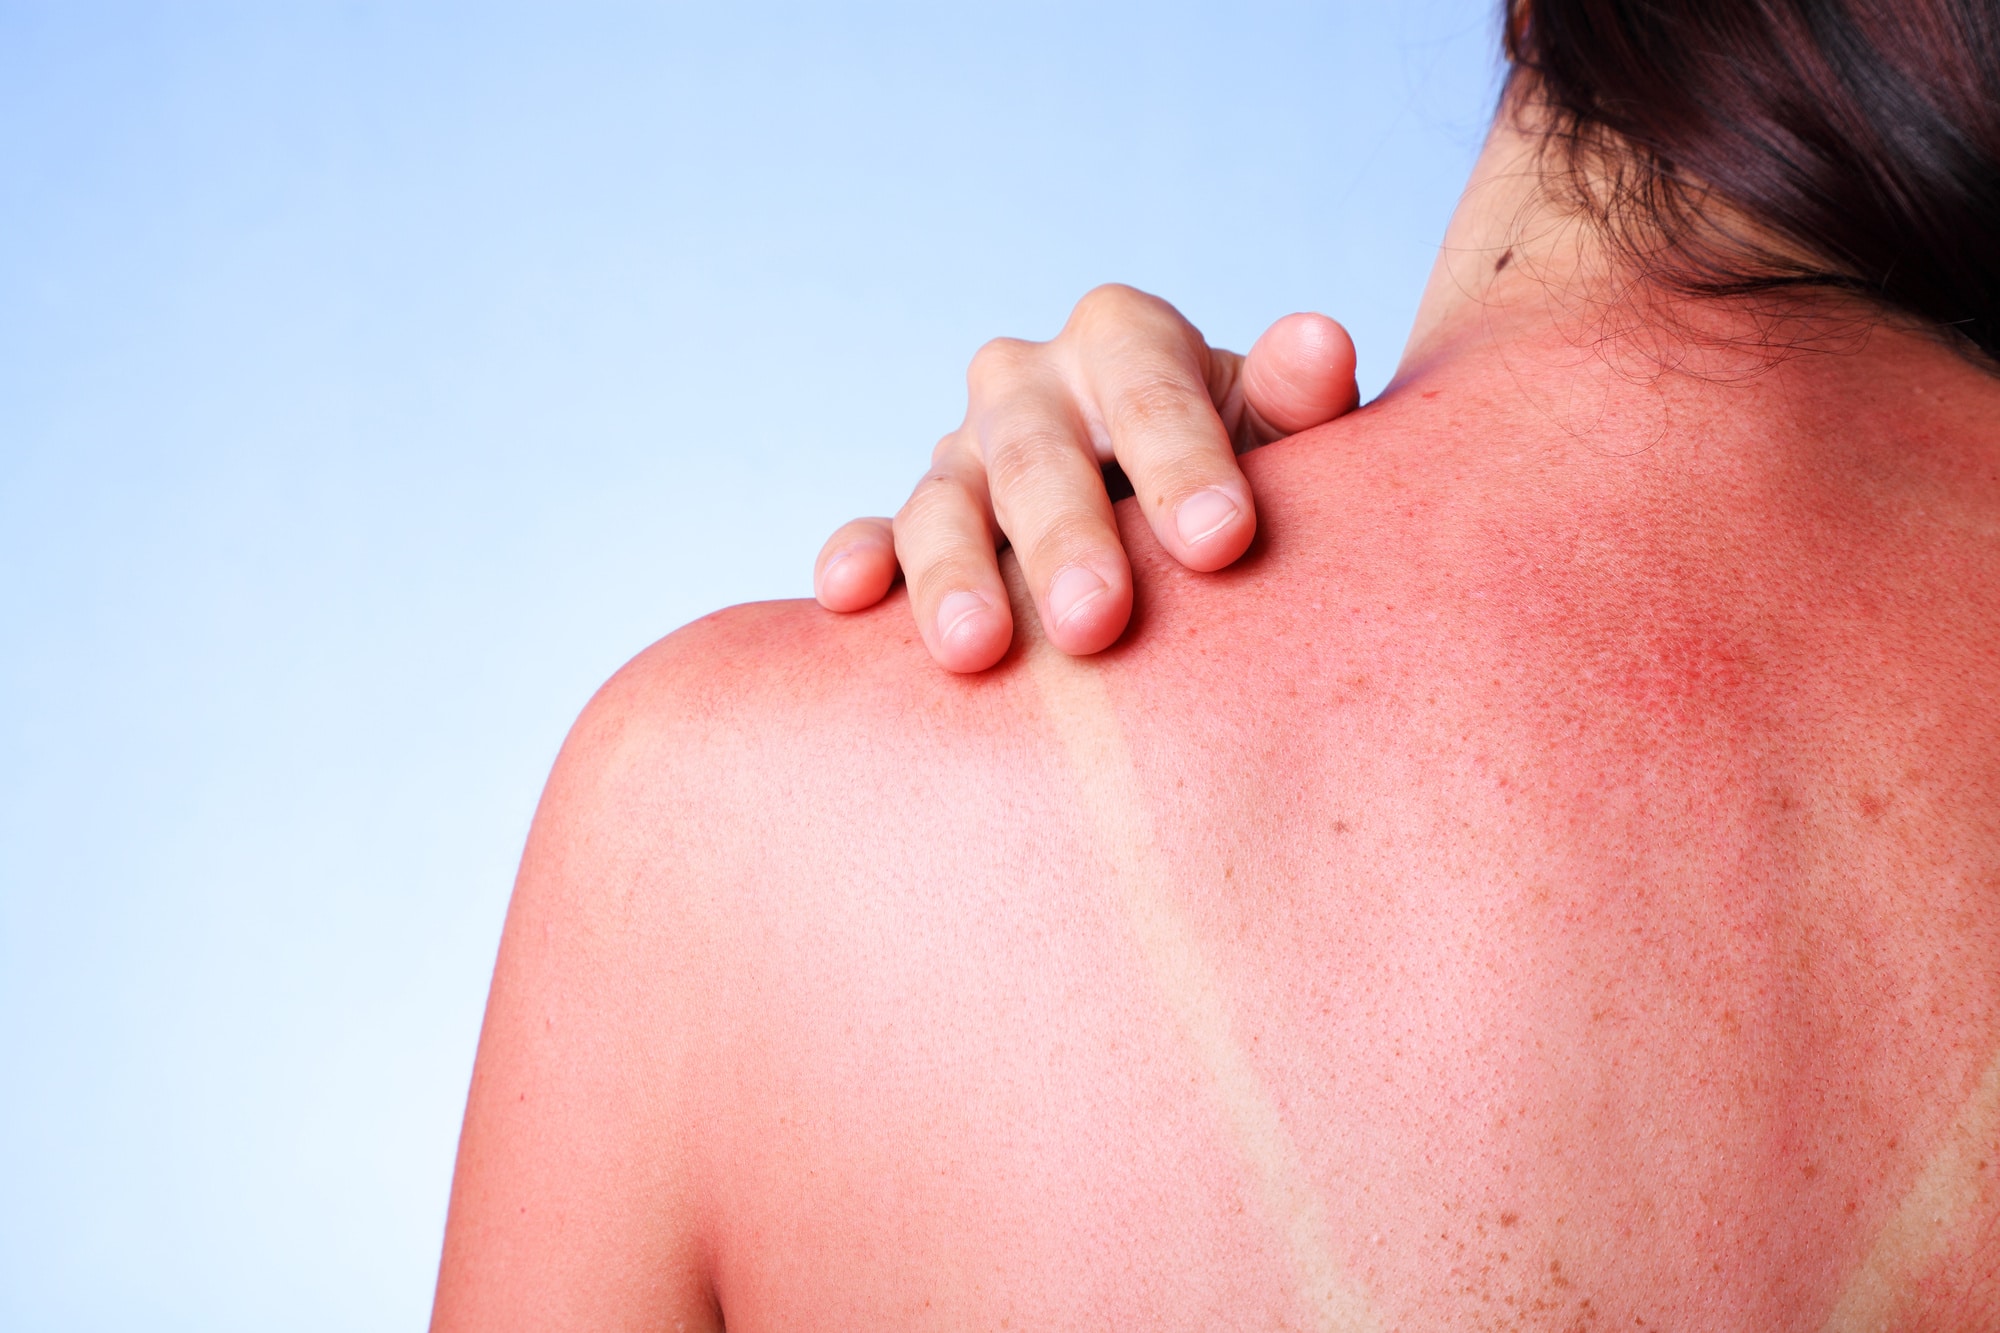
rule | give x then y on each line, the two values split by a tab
1048	495
1128	378
857	566
1298	375
944	538
1145	370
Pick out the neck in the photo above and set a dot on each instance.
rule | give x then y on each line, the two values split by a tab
1501	236
1524	287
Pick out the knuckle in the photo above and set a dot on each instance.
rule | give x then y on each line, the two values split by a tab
1021	457
1117	307
1152	402
1109	298
936	496
998	361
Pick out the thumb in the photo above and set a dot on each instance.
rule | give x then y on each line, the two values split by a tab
1299	374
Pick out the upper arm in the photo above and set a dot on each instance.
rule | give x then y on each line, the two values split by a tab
576	1199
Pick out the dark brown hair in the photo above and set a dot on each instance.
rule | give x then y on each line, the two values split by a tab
1853	145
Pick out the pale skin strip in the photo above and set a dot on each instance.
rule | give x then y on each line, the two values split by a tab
1932	1214
1080	711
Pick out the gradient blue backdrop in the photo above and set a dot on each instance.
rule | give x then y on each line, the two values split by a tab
375	379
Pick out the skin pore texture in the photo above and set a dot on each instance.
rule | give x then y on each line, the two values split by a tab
1552	882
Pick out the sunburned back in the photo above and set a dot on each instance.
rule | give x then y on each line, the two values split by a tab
1554	883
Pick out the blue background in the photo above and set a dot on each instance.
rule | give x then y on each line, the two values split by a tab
374	380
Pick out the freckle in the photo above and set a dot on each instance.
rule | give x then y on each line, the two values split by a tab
1229	872
1340	826
1810	1170
1509	1219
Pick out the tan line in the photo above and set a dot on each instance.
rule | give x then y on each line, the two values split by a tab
1080	710
1932	1212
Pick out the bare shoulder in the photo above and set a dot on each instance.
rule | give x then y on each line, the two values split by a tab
780	667
720	734
693	798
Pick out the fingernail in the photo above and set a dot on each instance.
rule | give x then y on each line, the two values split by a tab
1204	514
955	609
826	574
1072	590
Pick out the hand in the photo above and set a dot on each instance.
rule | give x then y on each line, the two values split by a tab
1127	380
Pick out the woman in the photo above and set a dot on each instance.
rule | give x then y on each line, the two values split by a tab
1553	881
